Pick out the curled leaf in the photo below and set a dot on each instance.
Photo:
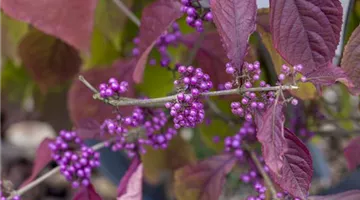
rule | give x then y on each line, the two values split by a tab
235	22
351	153
155	20
204	180
71	21
351	61
294	25
49	60
130	187
42	158
87	193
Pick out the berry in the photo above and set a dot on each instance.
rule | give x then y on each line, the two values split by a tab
75	159
188	110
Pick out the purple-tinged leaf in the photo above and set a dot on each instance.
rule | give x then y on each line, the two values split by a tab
130	187
296	173
348	195
155	20
351	61
351	153
69	20
49	60
81	104
42	158
235	22
204	180
286	156
270	125
210	57
307	32
87	193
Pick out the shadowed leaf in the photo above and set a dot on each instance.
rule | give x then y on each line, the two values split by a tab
351	61
286	156
210	57
155	20
42	158
71	21
157	162
203	180
351	153
130	187
348	195
87	193
81	104
294	25
235	22
270	126
49	60
306	90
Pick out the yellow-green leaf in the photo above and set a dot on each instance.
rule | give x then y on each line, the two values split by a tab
178	154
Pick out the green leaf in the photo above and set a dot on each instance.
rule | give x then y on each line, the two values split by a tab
110	21
14	81
12	31
158	82
218	128
178	154
103	51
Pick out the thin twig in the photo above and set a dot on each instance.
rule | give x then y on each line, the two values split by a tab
87	84
127	12
265	176
161	101
52	172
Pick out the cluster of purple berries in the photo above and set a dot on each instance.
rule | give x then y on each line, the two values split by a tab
153	126
233	143
188	110
250	100
254	177
292	73
195	14
113	88
167	39
119	128
298	123
75	159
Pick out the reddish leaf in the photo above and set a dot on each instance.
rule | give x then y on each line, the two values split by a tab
270	125
210	57
307	32
130	187
348	195
83	107
351	61
296	173
155	20
71	21
235	22
48	60
204	180
351	153
87	193
286	156
42	158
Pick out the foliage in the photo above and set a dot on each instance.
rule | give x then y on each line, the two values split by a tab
206	93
